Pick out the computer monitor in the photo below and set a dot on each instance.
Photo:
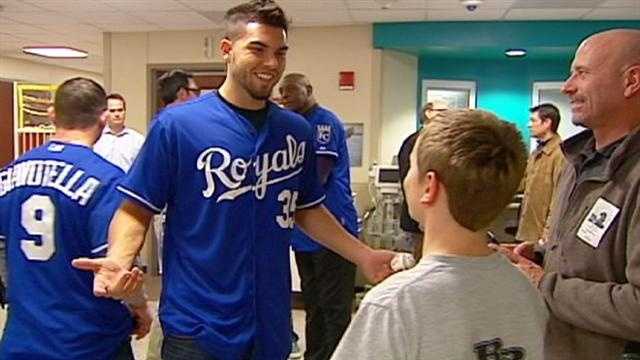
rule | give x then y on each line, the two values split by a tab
387	177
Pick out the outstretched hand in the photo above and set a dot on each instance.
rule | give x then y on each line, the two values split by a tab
110	279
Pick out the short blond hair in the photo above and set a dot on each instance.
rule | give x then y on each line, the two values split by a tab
479	158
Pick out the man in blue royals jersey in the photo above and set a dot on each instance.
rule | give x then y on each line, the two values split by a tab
235	172
56	203
327	279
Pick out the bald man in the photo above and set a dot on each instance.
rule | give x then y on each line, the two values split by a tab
328	280
591	278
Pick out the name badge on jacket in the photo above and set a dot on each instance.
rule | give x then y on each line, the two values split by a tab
597	222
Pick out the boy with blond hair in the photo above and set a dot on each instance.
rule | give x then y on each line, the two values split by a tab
462	300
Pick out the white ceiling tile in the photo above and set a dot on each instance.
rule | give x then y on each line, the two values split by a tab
11	27
39	18
100	18
311	5
169	18
389	4
148	5
545	14
74	5
18	6
209	5
614	14
482	14
131	27
299	17
455	4
621	3
555	4
368	16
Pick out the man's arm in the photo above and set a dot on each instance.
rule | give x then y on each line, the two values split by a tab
325	165
127	232
319	224
126	237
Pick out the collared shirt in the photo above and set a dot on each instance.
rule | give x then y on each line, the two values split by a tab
120	148
541	177
592	261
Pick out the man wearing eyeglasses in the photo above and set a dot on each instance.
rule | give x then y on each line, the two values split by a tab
118	144
176	87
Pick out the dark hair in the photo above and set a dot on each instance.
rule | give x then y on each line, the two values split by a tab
170	83
78	103
265	12
423	116
117	96
548	111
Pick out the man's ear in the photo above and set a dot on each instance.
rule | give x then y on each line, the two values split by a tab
431	188
103	118
632	81
225	47
182	94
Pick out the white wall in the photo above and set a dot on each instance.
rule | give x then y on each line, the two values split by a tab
28	71
398	98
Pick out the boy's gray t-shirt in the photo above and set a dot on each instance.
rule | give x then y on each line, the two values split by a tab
449	307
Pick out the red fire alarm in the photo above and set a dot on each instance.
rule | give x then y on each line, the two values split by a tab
347	80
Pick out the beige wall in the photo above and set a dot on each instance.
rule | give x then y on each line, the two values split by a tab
29	71
399	98
314	51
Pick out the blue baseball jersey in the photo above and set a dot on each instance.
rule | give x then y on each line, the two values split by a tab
56	203
331	141
231	192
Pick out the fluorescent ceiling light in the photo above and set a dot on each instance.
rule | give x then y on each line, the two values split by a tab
63	52
515	52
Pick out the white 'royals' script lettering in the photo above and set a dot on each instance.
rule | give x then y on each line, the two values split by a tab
232	172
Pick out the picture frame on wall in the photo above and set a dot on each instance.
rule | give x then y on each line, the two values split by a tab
455	93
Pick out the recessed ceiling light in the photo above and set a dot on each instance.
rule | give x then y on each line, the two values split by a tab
515	52
471	2
63	52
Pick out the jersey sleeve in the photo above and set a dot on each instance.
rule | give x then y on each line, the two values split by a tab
328	133
101	215
311	191
150	178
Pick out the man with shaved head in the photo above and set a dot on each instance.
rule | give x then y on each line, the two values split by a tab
591	280
328	280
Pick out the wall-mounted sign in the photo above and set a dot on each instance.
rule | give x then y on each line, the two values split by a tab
347	80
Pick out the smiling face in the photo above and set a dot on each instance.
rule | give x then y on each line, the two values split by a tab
294	96
596	85
256	59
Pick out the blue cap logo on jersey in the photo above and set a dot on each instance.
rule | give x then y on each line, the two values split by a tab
324	133
217	164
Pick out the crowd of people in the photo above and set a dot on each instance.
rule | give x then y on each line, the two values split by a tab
232	178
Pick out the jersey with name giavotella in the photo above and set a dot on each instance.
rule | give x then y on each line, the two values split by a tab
56	203
231	193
